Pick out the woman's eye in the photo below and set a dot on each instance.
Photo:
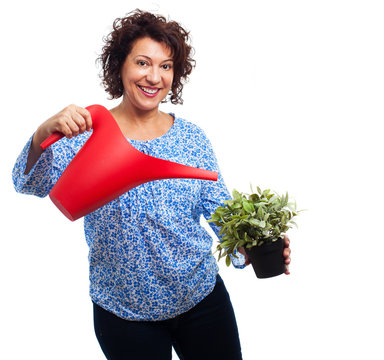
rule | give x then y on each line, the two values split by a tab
142	63
167	66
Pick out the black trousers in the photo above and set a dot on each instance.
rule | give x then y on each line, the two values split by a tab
207	331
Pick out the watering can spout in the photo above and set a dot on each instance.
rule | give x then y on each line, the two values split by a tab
107	166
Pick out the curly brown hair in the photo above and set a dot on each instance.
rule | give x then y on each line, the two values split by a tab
136	25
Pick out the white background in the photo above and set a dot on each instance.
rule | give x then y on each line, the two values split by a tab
290	94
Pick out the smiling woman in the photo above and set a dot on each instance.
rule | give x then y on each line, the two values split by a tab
154	282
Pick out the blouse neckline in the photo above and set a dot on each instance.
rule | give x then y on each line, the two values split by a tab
169	133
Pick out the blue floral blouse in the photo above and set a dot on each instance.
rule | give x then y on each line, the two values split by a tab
150	259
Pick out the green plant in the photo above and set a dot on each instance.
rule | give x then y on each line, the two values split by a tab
250	220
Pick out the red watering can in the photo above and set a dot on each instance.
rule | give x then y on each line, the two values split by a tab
107	166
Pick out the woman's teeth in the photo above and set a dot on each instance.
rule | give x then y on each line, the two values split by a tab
148	90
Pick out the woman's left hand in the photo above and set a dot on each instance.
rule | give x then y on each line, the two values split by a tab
286	254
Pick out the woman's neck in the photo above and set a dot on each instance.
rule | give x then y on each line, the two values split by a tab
137	124
127	113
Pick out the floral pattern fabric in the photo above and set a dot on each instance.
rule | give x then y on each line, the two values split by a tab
149	256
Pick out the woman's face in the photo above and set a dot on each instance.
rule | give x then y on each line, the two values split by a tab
147	74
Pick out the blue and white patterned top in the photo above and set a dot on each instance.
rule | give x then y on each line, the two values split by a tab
150	259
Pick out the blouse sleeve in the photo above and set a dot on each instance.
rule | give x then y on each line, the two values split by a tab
47	170
214	193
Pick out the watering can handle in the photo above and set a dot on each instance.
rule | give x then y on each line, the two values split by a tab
56	136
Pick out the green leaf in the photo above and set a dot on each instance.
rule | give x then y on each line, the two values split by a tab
254	198
225	244
254	222
227	260
265	192
248	207
260	213
236	195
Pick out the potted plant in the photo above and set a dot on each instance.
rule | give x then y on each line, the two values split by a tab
256	223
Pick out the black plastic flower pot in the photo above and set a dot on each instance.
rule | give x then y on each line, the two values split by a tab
267	260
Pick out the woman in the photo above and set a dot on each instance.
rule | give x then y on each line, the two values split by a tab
154	281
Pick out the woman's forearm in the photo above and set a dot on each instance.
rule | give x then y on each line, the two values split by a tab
33	155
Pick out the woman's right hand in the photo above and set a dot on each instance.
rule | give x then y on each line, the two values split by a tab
71	121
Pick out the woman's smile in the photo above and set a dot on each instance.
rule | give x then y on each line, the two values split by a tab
149	90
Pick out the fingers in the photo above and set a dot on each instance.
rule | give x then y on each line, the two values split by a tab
80	123
287	253
72	121
79	119
286	240
287	272
287	250
64	128
86	116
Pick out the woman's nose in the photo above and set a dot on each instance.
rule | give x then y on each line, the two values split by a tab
153	75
